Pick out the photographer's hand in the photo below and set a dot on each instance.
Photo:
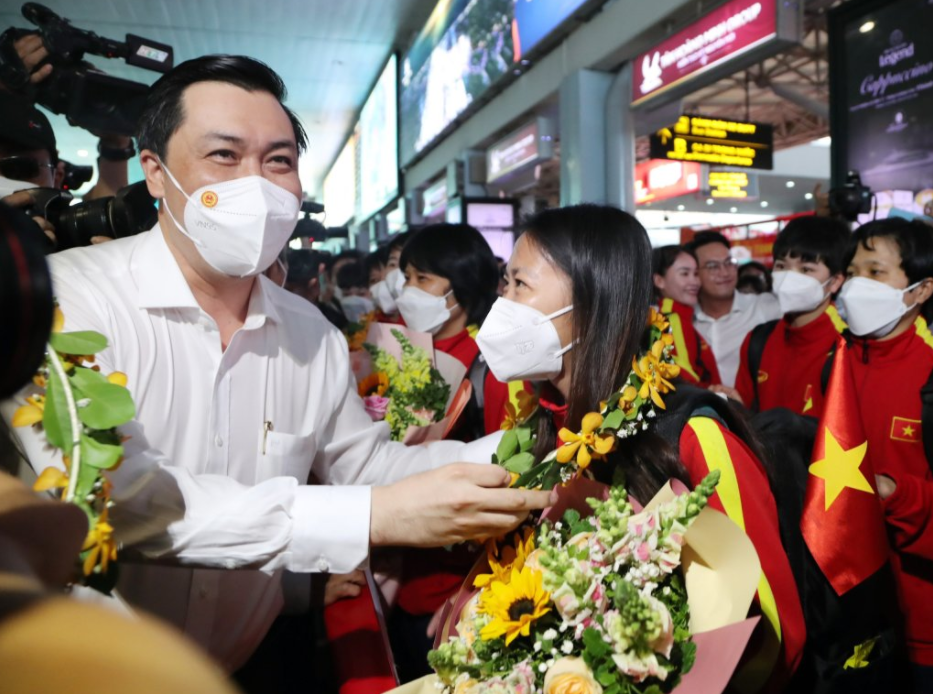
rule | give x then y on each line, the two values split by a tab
32	52
23	200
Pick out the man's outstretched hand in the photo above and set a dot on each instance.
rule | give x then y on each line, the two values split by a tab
452	504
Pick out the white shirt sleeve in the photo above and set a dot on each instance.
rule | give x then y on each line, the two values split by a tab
167	512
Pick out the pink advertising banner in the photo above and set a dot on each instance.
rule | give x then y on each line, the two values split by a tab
725	33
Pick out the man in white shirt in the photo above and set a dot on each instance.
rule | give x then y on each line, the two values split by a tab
723	315
244	391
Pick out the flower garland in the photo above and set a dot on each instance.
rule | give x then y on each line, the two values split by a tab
626	413
79	409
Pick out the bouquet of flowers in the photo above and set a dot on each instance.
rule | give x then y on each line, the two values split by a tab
79	409
406	392
594	604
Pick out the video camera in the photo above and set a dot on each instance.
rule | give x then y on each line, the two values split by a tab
852	199
89	98
131	211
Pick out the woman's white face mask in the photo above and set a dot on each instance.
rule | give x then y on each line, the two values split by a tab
872	308
422	311
797	292
520	343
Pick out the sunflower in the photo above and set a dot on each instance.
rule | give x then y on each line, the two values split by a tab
376	383
511	557
514	606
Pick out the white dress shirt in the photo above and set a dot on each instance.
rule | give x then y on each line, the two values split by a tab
224	442
726	334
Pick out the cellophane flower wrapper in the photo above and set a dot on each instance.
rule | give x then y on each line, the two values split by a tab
381	336
644	640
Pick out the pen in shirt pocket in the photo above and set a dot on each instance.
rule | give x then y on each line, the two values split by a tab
266	428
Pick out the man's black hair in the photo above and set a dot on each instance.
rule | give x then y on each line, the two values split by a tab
352	276
164	112
705	238
914	239
815	240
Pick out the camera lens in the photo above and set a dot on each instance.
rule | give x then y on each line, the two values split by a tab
76	225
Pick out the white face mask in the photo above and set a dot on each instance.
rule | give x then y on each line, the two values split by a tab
873	309
423	312
797	292
520	343
238	226
385	292
355	307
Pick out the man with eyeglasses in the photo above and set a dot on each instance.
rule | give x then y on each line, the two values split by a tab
723	315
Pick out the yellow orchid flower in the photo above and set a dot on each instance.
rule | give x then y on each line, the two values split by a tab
118	378
586	445
516	417
51	478
102	546
30	413
658	320
58	320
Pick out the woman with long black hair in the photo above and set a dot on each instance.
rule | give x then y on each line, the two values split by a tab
577	303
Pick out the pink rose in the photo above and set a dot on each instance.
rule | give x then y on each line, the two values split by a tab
376	406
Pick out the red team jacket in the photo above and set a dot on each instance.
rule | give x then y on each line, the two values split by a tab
791	365
889	375
691	351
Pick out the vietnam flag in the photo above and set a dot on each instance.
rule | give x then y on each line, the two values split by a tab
842	521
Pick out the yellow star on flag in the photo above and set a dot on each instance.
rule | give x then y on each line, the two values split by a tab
840	468
908	430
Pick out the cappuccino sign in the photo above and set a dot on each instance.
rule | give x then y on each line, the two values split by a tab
746	29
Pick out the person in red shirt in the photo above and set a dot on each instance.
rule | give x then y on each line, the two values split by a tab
586	272
890	283
677	285
808	271
451	282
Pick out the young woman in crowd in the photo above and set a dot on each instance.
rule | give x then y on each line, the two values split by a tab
580	282
451	280
677	284
386	290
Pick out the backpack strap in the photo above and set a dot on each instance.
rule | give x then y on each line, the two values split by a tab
756	350
926	418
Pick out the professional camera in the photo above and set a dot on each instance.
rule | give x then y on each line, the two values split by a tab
852	199
131	211
76	175
90	99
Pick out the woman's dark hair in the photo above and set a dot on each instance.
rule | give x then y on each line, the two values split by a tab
459	253
663	257
815	240
163	112
377	259
606	254
914	240
352	276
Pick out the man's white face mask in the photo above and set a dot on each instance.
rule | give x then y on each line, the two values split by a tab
239	226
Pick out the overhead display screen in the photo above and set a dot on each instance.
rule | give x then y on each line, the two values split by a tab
378	144
466	47
340	187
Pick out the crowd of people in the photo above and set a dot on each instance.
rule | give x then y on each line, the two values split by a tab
251	464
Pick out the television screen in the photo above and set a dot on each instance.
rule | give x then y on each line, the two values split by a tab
496	222
340	187
378	144
885	85
465	48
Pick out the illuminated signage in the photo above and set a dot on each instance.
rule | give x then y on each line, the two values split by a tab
716	141
528	145
340	186
740	31
434	199
732	185
661	180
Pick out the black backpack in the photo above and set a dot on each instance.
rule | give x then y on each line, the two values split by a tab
835	625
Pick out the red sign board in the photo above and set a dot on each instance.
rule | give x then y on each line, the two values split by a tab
725	33
659	179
